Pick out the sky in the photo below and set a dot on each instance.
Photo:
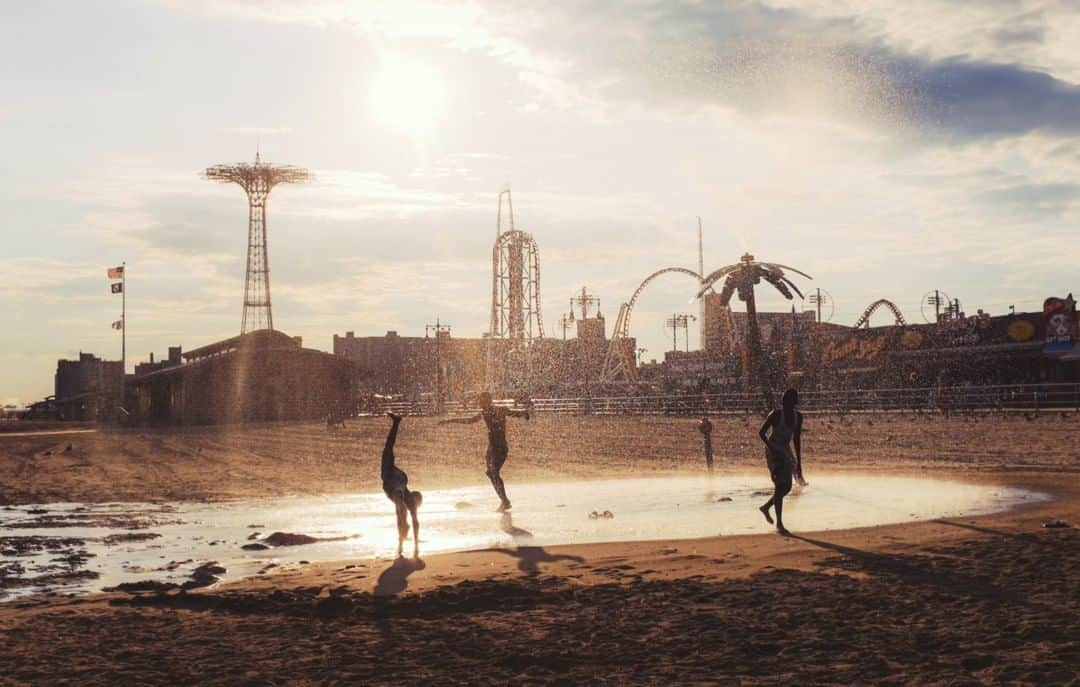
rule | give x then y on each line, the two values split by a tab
886	149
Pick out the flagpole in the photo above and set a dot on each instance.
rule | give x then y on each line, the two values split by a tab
123	332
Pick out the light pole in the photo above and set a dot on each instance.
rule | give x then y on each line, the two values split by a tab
565	321
439	330
680	321
815	299
584	301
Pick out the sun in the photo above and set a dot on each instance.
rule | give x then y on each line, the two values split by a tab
409	96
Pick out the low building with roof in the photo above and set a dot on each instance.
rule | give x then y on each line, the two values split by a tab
261	376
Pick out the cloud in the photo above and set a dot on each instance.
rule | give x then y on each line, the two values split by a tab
1035	201
47	278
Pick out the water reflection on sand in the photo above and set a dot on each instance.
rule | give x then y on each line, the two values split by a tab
87	547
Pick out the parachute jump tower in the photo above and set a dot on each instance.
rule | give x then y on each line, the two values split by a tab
257	180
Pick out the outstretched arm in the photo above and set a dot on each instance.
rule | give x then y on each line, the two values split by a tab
765	426
415	531
463	420
798	445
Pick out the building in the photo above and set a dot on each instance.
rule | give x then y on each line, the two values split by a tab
1018	348
260	376
413	366
410	365
173	360
87	388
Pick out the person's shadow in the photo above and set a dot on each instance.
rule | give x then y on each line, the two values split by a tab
506	524
394	579
530	558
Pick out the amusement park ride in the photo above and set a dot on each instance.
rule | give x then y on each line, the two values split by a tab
516	320
515	301
257	180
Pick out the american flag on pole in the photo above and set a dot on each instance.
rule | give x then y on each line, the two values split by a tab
116	272
118	324
117	287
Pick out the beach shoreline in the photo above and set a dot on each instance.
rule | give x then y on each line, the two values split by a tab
978	600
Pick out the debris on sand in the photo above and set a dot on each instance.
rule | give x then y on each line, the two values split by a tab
129	537
31	545
605	515
289	539
142	586
723	499
1056	524
204	576
255	546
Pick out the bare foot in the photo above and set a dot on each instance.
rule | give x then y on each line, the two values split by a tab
765	511
782	531
503	507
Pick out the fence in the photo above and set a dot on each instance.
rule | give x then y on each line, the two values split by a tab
1014	397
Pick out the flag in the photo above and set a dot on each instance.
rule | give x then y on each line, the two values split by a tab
116	272
119	324
118	287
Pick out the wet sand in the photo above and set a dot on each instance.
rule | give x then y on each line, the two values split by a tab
983	600
194	464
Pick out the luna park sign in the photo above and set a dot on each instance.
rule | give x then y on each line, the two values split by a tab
854	348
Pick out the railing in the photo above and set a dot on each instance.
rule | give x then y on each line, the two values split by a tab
1010	397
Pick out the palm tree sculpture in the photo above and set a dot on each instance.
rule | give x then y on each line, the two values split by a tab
742	277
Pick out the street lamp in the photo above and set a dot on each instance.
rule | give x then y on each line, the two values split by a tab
438	329
680	321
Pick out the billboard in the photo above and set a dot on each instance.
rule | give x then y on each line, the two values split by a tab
1060	324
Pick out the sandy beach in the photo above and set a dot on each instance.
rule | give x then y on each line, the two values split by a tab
979	600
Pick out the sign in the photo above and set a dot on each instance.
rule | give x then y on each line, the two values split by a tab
1060	324
911	339
854	348
1021	330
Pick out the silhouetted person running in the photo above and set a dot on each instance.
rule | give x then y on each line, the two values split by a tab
495	419
396	485
786	425
705	427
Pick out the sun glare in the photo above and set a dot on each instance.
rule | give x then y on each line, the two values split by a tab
409	96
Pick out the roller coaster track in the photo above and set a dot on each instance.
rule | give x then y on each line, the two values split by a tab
619	362
864	319
625	331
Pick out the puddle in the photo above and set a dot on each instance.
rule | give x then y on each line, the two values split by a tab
79	548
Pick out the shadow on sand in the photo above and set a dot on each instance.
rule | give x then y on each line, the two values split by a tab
985	530
506	524
530	558
925	570
394	579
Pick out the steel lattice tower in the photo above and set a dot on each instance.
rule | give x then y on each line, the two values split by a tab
257	180
515	301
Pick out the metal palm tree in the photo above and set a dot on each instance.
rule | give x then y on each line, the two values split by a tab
741	278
